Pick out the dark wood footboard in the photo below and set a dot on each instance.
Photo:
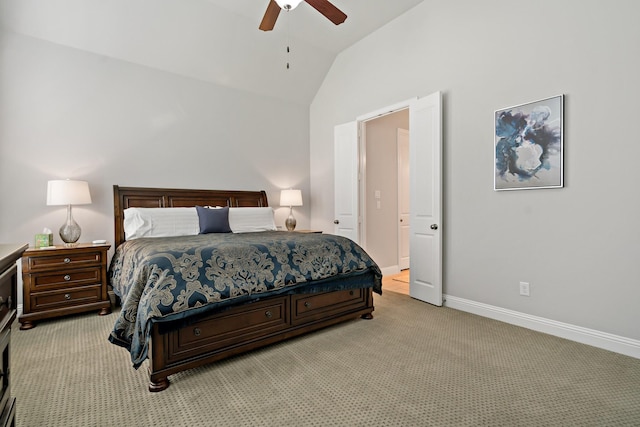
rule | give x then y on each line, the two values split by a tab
248	327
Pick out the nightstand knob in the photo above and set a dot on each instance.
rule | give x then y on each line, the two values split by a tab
268	314
67	277
307	304
67	296
67	260
196	332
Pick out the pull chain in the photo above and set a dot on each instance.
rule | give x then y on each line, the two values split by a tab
288	38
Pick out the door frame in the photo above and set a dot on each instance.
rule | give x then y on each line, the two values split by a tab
400	189
425	127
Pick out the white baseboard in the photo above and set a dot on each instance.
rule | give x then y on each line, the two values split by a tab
606	341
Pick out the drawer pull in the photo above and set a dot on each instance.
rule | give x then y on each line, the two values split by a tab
197	332
351	293
67	260
268	314
67	277
307	304
67	296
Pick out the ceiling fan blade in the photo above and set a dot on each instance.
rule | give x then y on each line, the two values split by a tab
270	16
332	13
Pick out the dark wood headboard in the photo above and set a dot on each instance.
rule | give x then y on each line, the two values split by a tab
140	197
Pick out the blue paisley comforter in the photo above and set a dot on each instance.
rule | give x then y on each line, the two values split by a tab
170	278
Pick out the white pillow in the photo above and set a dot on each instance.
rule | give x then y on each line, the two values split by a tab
247	220
160	222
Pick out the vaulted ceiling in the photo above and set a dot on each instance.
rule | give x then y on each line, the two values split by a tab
217	41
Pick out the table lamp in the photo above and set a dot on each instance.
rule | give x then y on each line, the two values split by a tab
68	192
291	198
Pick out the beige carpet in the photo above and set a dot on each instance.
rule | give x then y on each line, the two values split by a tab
412	365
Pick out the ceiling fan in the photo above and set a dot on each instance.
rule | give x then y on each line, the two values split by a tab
325	7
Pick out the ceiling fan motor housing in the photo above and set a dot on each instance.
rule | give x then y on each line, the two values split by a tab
288	4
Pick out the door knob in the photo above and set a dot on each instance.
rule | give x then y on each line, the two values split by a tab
335	221
434	226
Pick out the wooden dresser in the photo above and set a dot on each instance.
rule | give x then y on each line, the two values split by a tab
9	254
64	280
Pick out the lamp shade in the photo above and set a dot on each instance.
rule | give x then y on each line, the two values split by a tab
68	192
288	4
291	198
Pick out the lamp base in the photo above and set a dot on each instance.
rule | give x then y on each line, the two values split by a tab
290	222
70	230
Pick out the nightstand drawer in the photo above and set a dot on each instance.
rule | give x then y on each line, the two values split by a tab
65	278
64	298
36	263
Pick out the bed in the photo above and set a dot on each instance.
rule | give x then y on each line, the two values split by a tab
192	300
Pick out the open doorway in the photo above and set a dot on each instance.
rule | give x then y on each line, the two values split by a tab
382	191
385	205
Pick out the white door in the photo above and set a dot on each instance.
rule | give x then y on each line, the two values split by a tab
404	219
425	142
346	181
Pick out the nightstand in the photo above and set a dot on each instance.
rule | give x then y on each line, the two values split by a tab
62	280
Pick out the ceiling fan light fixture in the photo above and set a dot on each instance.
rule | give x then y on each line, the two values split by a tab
288	4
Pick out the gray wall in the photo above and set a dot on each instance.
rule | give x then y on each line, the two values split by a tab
577	246
66	113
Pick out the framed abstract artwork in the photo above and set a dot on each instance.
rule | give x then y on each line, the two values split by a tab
529	145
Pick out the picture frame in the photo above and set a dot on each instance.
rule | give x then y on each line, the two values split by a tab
529	145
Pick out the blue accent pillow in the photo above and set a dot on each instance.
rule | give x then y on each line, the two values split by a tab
213	220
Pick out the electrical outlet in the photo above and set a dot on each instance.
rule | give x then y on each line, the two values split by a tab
524	289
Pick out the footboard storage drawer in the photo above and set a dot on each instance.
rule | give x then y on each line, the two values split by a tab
309	308
234	327
247	327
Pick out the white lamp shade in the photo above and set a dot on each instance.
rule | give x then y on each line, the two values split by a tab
291	198
288	4
68	192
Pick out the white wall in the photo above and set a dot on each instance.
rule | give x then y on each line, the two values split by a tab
66	113
577	246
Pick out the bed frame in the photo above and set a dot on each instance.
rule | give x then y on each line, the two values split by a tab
177	346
